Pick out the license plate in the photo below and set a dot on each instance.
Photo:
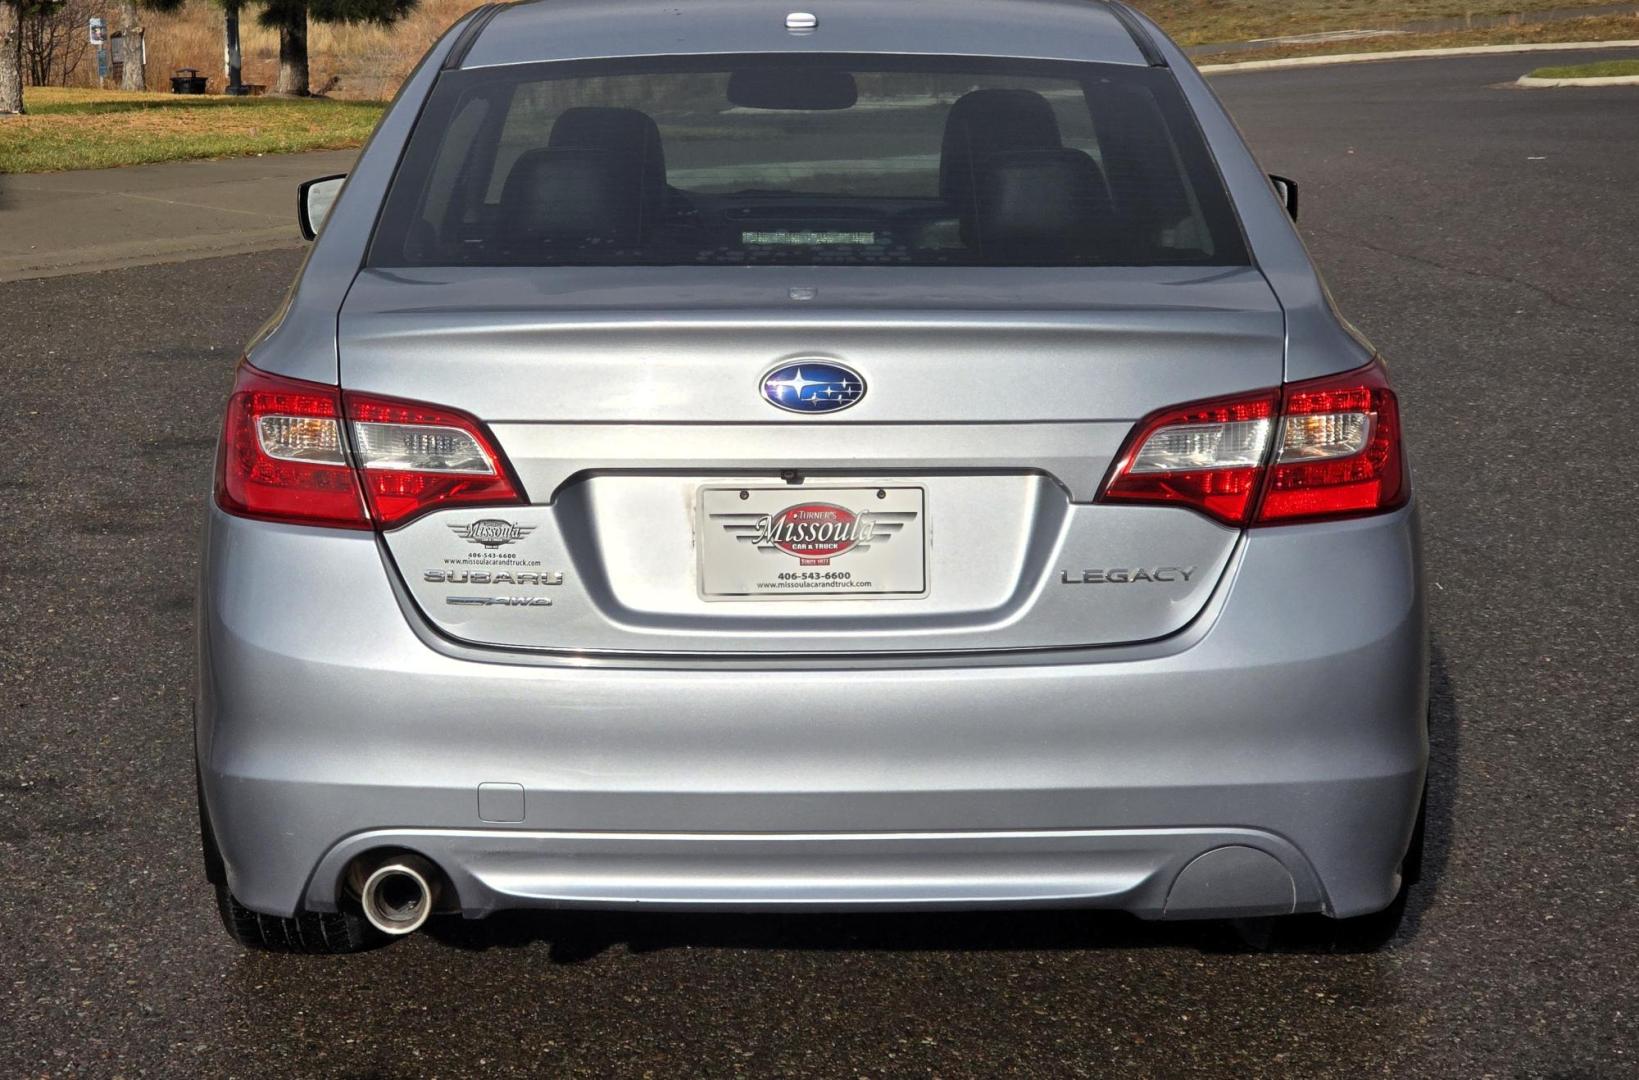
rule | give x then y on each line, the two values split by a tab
785	542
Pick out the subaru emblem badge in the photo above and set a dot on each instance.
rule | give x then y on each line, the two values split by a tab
813	386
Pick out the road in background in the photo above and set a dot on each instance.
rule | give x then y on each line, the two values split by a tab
100	219
1484	238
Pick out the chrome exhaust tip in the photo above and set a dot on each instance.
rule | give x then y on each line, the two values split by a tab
399	894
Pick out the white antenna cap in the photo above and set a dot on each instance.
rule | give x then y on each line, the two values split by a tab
801	20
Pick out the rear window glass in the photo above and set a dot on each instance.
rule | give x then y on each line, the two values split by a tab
813	160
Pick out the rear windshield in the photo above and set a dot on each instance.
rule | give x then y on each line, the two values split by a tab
806	161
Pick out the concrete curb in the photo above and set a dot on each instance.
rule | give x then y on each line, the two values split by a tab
1593	80
1412	54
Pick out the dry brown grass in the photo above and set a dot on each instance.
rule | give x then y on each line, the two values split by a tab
370	61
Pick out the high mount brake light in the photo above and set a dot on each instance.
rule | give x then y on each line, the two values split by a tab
284	457
1336	452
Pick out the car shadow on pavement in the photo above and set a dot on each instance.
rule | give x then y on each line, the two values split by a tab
576	936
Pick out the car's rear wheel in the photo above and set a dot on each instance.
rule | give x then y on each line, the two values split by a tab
315	932
311	932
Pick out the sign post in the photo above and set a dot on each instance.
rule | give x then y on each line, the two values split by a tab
97	34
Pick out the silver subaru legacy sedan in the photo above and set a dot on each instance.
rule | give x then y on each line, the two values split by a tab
880	456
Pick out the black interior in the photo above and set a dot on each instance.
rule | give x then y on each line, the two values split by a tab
1009	192
1006	183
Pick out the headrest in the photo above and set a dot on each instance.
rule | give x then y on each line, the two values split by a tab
985	122
573	196
1030	204
628	133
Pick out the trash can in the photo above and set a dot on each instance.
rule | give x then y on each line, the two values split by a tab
188	81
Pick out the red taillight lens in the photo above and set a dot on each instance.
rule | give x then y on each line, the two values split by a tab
283	457
1208	455
1339	451
286	458
1335	451
414	458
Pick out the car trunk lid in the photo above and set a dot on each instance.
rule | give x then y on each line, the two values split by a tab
629	402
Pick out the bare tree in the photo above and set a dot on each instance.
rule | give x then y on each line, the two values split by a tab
11	57
54	39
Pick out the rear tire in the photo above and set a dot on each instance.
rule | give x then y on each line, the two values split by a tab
341	932
311	932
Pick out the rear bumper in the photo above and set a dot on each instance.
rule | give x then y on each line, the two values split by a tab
1153	872
1269	758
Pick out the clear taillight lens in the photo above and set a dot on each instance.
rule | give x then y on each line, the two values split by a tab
1315	438
284	457
1234	445
301	438
1336	452
409	448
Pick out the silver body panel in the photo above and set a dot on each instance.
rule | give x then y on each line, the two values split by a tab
322	720
594	345
1250	740
999	550
584	387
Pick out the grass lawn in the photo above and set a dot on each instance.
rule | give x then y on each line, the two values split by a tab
1605	69
1599	28
88	129
94	129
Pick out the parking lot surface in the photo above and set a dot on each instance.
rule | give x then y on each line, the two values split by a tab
1483	237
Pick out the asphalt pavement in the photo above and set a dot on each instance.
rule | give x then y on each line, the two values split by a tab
1483	237
101	219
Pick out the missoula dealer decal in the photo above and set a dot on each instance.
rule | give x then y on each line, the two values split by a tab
489	541
491	532
816	532
503	568
836	542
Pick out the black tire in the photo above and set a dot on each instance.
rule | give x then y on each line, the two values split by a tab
311	932
342	932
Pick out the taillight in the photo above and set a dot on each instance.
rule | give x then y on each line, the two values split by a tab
413	458
1339	451
1208	455
283	457
1336	452
286	458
